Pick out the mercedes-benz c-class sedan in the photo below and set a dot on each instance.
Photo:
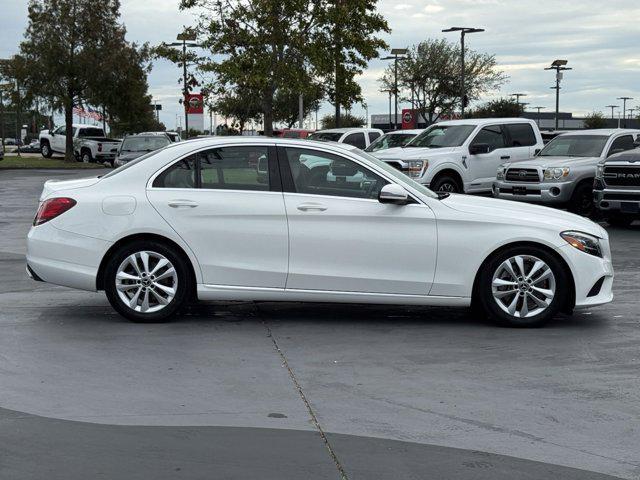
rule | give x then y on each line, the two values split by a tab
294	220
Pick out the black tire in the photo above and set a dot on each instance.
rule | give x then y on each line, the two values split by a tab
45	150
86	157
446	183
581	202
619	220
484	291
183	290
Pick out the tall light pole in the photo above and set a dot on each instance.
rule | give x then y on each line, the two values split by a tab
631	110
183	39
612	107
518	95
538	118
396	53
624	109
559	66
463	31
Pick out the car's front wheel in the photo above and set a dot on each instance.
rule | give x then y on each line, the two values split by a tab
146	282
522	286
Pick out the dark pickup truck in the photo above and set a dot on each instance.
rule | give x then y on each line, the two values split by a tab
616	190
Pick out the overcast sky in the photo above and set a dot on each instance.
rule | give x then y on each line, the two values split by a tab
601	40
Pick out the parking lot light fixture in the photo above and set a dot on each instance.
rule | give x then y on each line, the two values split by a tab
538	117
463	31
186	39
612	107
624	109
396	53
559	66
518	95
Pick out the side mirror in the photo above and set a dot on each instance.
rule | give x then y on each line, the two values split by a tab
479	148
393	193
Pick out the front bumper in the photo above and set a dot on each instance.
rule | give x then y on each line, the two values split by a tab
618	201
64	258
552	193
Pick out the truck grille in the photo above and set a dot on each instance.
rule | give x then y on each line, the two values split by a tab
522	175
620	176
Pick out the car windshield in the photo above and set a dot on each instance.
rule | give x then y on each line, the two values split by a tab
438	136
390	140
395	173
575	146
144	144
325	136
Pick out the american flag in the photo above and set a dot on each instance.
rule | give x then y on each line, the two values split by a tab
88	113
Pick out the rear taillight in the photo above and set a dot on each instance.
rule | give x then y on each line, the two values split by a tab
51	208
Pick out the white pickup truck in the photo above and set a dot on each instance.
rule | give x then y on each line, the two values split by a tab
89	143
462	156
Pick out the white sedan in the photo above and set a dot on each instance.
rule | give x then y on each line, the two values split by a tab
296	220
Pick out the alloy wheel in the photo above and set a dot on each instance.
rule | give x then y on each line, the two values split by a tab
146	281
447	187
523	286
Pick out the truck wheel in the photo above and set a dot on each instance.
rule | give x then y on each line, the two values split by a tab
581	202
619	221
45	150
446	183
86	157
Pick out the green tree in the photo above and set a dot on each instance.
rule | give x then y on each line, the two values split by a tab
595	120
500	108
430	76
240	104
286	103
344	43
346	120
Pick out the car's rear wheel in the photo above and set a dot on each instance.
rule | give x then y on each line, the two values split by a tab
522	286
146	282
86	156
45	150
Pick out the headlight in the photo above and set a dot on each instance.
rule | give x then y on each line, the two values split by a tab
415	168
584	242
600	170
556	173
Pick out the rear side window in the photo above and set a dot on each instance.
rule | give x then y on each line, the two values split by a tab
520	135
491	135
181	174
373	136
356	139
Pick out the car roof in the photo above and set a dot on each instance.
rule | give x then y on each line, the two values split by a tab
149	134
605	132
482	121
408	130
347	129
82	125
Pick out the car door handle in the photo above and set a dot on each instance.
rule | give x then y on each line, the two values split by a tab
182	204
505	157
310	207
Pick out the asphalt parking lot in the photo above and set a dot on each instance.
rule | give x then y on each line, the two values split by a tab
274	391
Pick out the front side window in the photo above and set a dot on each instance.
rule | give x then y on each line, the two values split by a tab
621	144
439	136
521	135
322	173
490	135
356	139
575	146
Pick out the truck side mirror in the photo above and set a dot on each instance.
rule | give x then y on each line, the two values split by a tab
479	148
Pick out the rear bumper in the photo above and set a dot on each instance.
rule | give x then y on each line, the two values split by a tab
64	258
547	193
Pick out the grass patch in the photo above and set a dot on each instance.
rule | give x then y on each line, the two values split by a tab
12	161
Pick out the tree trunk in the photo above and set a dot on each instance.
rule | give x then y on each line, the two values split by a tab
68	122
268	112
337	98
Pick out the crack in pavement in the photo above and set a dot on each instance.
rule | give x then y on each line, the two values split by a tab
303	397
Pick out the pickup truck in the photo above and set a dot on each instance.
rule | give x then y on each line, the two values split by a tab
461	156
562	174
616	189
89	143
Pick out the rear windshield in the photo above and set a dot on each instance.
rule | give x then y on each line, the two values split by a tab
144	144
390	141
325	136
575	146
438	136
91	132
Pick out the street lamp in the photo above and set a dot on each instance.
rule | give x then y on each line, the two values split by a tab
624	109
559	66
183	38
463	31
518	95
395	54
538	118
631	110
612	107
390	94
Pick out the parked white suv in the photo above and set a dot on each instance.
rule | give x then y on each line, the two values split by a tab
358	137
462	155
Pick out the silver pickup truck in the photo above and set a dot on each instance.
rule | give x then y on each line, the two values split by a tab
562	174
616	190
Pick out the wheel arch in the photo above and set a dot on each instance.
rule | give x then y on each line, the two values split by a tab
569	303
144	237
